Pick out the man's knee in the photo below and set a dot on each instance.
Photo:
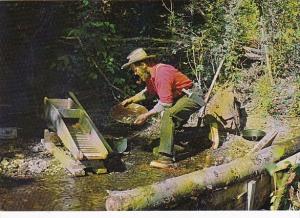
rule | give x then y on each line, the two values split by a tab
168	113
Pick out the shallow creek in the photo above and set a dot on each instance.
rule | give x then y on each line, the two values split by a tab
59	191
63	192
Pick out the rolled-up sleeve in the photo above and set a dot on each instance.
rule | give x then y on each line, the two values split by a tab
159	107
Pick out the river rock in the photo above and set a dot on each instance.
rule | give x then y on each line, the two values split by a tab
19	156
4	162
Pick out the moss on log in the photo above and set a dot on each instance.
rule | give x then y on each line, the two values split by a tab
173	191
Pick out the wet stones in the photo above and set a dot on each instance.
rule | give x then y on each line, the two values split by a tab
29	162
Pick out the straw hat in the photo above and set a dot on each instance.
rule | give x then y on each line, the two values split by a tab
138	54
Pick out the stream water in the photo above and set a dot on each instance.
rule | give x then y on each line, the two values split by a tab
62	192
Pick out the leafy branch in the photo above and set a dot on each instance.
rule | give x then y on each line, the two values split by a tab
95	64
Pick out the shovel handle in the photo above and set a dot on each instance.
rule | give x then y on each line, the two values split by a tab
202	111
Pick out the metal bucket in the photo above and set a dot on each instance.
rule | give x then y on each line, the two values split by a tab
120	144
253	134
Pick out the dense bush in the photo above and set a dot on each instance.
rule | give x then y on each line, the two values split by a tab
197	36
228	26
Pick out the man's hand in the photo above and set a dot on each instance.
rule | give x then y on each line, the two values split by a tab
135	99
141	119
127	101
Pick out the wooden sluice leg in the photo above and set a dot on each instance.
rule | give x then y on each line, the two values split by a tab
73	166
251	186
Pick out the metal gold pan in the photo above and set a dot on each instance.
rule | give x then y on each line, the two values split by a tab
128	114
253	134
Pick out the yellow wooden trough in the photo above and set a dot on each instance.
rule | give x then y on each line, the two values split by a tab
75	129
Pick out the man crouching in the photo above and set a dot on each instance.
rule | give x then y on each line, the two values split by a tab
167	83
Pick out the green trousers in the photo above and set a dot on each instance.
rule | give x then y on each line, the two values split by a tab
172	118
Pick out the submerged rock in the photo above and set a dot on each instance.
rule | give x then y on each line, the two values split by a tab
5	163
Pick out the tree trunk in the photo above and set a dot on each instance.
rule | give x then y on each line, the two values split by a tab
174	191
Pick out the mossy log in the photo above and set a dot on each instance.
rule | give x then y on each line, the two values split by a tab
172	192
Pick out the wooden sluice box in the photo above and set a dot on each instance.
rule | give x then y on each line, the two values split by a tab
77	132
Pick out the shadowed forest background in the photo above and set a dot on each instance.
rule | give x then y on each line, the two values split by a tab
49	48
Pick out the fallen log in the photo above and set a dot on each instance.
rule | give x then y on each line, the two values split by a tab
172	192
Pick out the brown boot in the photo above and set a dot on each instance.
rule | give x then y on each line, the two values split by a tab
162	162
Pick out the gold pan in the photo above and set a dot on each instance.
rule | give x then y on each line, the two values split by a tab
128	114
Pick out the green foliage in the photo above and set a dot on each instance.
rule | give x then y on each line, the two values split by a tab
283	33
92	54
264	93
283	196
226	27
295	106
248	22
92	38
85	2
280	99
205	32
297	169
271	168
240	29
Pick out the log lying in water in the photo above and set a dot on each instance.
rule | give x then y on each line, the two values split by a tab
172	192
